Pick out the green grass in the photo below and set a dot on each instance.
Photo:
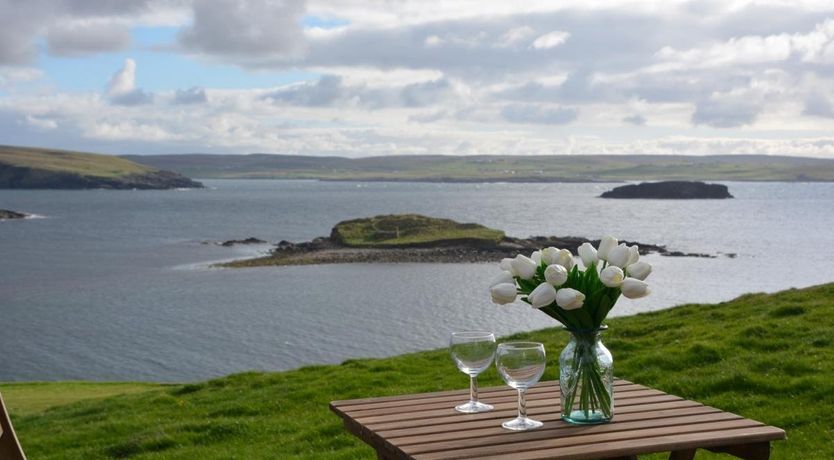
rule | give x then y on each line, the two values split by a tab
36	397
767	357
84	164
409	229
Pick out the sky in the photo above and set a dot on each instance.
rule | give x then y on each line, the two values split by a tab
397	77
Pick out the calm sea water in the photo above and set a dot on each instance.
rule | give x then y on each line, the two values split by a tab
115	285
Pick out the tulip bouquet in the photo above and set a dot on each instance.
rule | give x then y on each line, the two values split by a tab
580	299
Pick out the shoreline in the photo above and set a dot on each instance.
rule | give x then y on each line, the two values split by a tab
324	250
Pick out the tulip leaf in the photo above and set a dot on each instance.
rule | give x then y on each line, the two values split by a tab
527	286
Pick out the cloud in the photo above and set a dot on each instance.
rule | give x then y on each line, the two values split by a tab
122	88
815	46
636	120
193	95
726	110
11	75
245	30
69	26
87	38
471	76
332	91
328	90
426	93
538	114
550	40
818	105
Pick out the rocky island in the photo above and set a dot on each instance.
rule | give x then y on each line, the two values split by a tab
34	168
415	238
677	190
6	214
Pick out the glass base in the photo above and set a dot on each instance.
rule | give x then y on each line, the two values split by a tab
580	417
522	424
473	407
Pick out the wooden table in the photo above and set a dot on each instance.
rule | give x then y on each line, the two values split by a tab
426	427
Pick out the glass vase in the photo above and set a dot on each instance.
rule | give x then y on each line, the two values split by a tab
586	378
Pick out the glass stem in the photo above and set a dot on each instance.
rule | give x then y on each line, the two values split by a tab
473	388
522	404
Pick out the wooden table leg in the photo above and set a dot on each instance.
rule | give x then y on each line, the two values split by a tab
755	451
688	454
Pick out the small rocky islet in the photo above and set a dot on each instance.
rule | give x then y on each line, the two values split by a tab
6	214
413	238
674	190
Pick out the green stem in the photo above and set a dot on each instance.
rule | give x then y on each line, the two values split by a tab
588	381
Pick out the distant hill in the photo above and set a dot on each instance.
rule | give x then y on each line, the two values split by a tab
36	168
485	168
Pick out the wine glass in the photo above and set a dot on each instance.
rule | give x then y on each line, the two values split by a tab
473	352
520	364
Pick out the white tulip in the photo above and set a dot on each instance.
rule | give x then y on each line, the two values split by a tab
524	267
506	264
639	271
503	293
633	254
634	288
503	277
556	274
565	259
550	255
611	276
536	257
542	296
605	246
569	299
588	254
619	256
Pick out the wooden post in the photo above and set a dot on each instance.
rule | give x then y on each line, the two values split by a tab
755	451
688	454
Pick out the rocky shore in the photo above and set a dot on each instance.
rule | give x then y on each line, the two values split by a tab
324	250
6	214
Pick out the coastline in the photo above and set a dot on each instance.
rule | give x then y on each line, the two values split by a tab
325	250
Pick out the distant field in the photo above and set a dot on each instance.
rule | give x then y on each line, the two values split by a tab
84	164
555	168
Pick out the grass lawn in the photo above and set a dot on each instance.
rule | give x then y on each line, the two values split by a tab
767	357
409	229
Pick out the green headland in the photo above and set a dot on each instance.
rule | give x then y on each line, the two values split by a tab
769	357
26	167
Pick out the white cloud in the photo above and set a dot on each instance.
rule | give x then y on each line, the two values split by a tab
12	75
471	76
539	114
122	88
82	38
193	95
550	40
244	30
516	36
815	46
71	26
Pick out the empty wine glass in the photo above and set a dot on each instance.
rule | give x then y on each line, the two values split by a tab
520	364
473	352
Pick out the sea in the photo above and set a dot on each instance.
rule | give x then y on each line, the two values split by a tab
119	286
